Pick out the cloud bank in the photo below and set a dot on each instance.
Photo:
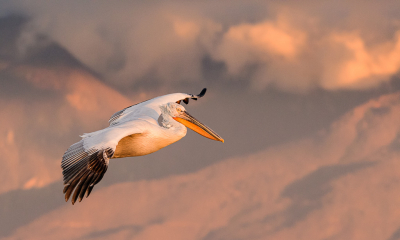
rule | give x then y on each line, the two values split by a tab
340	181
288	45
43	111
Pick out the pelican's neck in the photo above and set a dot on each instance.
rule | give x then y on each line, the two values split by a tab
166	119
173	130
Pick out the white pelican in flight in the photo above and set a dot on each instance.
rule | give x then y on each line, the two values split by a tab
134	131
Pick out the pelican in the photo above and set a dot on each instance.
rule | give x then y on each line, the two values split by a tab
137	130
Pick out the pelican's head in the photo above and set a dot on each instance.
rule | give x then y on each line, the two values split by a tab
179	114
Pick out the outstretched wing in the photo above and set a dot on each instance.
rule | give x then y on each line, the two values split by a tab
82	170
153	104
85	162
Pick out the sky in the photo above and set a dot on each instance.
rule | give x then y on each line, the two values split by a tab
305	94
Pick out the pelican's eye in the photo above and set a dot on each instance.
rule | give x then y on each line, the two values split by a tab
178	110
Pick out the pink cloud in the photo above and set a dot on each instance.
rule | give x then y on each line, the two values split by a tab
245	44
328	181
292	46
30	160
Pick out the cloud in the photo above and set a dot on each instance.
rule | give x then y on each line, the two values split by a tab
300	57
347	171
252	43
291	46
270	49
44	109
123	41
338	180
364	67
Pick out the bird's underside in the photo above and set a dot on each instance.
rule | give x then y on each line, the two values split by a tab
125	149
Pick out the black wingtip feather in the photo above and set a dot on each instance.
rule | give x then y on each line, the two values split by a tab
79	187
89	190
65	188
85	186
201	94
186	100
70	189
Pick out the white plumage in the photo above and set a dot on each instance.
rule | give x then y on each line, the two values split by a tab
134	131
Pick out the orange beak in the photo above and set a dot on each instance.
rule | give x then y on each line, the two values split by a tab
190	122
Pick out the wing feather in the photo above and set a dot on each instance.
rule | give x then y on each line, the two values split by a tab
85	162
83	170
153	104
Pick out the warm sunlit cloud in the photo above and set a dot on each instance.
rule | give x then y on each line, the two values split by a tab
36	126
186	29
363	66
259	43
289	46
339	180
327	180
